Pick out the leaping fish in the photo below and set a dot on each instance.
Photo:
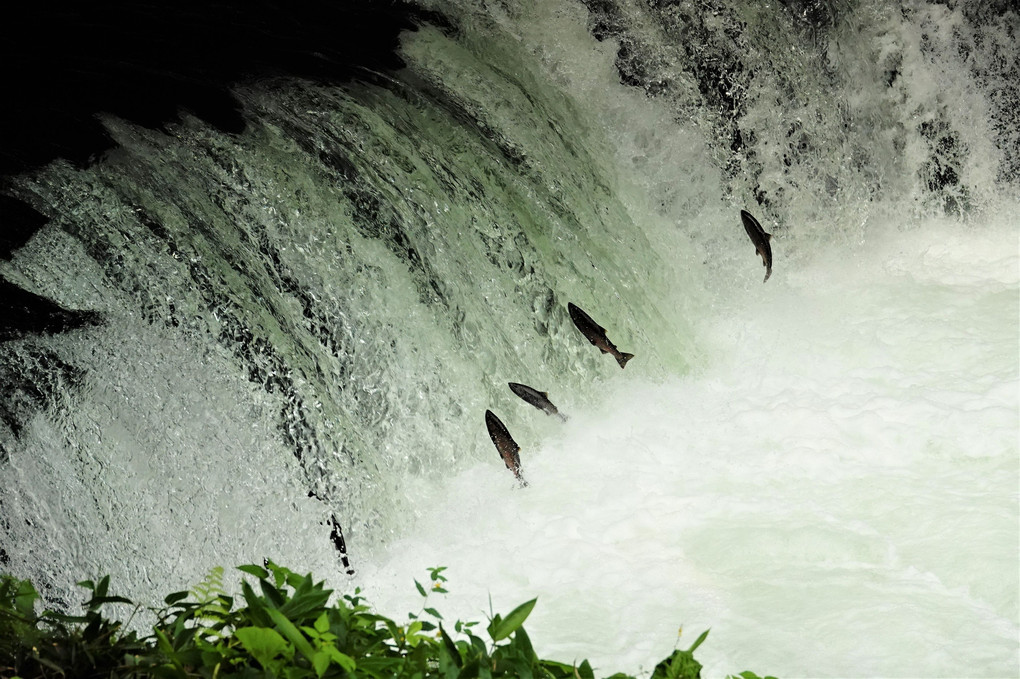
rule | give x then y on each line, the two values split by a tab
760	240
539	399
596	334
505	445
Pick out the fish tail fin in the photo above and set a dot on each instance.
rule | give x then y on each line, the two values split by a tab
622	359
563	417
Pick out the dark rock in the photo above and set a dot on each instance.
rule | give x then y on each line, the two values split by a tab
26	313
18	222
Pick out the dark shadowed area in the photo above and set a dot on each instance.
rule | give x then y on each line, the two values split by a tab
144	60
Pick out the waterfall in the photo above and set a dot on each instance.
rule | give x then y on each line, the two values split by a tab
243	334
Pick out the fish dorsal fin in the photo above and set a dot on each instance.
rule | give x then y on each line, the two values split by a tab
545	394
768	236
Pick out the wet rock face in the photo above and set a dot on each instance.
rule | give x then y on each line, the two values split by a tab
697	44
816	13
145	63
643	63
709	59
694	59
32	379
25	313
18	222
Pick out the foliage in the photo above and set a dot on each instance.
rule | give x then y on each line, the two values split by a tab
283	627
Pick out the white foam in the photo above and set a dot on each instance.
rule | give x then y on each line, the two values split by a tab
835	494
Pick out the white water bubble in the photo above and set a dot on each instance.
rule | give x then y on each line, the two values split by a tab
827	502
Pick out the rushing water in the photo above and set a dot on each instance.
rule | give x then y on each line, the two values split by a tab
307	319
833	495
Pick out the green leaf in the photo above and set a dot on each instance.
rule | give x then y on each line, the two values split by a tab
103	587
272	594
470	670
24	599
96	601
698	642
256	605
679	665
168	649
342	659
263	643
258	571
305	603
320	663
501	629
322	623
450	646
393	629
494	623
523	641
171	599
292	633
273	632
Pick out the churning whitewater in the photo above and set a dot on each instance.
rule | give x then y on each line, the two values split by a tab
287	340
832	494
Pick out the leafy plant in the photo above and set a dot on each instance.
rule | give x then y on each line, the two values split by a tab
283	626
52	643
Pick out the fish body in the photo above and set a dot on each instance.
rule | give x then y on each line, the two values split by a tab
505	445
336	534
596	334
760	240
539	399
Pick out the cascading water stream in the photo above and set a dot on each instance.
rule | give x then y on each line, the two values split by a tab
305	320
